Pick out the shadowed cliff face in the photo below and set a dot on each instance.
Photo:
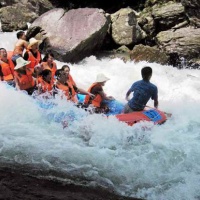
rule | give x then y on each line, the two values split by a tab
109	6
6	3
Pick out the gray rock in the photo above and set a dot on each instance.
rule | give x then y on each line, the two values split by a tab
123	49
168	15
16	16
147	23
38	6
184	42
75	34
192	9
150	3
125	29
150	54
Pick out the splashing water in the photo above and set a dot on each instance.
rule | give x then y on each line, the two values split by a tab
155	162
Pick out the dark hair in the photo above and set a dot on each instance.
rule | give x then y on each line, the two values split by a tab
19	34
58	72
65	66
146	73
47	56
2	49
45	73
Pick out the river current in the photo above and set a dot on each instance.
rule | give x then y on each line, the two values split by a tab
157	162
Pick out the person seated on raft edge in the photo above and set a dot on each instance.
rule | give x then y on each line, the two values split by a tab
142	90
66	69
97	89
6	68
45	82
23	76
69	88
20	45
33	55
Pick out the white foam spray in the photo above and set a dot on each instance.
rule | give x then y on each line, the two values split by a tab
155	162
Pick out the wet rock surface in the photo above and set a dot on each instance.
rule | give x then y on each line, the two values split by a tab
17	186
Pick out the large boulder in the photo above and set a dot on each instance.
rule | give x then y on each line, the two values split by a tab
150	3
147	23
124	27
192	8
38	6
184	42
16	16
75	34
168	15
160	15
150	54
37	32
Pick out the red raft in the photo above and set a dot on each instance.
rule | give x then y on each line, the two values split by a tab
154	115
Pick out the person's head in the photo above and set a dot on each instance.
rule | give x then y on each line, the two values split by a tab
46	75
61	76
21	35
49	57
3	54
146	73
101	79
33	44
21	63
66	69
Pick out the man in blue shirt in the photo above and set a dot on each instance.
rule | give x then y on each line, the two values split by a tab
142	90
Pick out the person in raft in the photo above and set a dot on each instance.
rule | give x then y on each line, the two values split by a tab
68	87
20	45
97	89
6	68
45	82
33	55
142	90
23	76
48	63
66	69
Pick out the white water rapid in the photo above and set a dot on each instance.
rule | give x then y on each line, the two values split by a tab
155	163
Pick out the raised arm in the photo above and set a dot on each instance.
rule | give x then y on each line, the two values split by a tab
16	83
25	44
82	91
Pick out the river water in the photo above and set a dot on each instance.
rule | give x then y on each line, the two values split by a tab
155	162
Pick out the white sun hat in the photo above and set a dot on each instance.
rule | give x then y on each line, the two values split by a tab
21	63
101	78
33	41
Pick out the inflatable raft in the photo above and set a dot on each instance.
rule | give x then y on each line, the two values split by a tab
149	114
116	109
154	115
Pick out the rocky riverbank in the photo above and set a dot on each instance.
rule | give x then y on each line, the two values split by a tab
161	31
17	186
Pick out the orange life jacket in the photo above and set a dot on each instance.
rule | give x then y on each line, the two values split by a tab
53	69
7	70
34	61
46	87
9	54
68	90
96	101
71	79
25	81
